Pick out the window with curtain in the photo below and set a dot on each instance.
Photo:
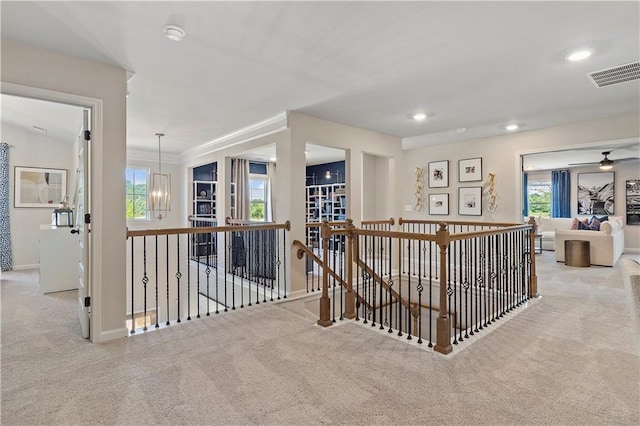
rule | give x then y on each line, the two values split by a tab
561	193
539	197
258	196
6	254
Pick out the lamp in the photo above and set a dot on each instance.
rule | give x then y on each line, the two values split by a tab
160	195
328	175
63	215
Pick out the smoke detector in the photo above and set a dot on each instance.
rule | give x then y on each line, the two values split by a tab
174	32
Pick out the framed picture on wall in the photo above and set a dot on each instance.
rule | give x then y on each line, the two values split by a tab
595	193
438	204
470	170
39	187
439	174
633	202
470	201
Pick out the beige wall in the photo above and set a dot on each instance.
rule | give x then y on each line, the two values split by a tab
501	155
67	76
383	151
34	150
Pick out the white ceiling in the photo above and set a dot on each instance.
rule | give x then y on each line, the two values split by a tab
477	65
58	121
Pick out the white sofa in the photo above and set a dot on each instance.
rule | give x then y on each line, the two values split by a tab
606	245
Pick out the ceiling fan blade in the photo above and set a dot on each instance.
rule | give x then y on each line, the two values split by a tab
614	160
583	164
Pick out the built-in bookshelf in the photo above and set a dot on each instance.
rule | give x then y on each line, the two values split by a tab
325	202
204	215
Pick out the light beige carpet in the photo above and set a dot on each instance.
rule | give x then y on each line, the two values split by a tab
570	358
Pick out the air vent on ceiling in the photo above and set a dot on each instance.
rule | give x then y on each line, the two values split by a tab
615	75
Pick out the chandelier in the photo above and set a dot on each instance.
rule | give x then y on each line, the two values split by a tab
160	195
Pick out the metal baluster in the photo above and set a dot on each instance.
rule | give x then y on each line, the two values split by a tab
431	243
207	271
409	292
178	273
373	279
167	279
341	258
467	307
189	280
400	248
419	288
452	279
217	273
284	261
332	242
133	262
145	281
157	305
229	257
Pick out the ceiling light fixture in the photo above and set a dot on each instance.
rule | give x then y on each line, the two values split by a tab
578	55
419	116
461	129
511	127
160	195
606	163
174	32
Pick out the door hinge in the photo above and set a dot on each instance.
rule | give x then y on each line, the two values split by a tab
87	302
87	135
87	218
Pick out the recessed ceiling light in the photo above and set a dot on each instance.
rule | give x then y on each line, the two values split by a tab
272	159
461	129
419	116
511	127
174	32
578	55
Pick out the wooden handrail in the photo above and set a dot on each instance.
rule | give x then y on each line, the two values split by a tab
319	224
205	229
302	250
390	221
402	221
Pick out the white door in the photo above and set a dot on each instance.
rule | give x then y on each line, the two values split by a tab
83	226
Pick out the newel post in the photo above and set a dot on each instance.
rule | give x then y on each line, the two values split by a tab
350	297
533	278
443	332
325	303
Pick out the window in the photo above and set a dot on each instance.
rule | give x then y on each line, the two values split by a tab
539	197
258	196
136	193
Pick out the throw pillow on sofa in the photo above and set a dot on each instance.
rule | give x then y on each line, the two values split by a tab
579	222
600	219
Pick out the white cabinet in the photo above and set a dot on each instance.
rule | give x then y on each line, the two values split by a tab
59	252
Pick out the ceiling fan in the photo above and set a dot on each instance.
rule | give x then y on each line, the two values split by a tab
606	163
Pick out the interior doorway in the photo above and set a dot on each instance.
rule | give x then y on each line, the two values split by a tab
44	131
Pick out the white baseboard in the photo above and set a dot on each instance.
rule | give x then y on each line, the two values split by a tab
24	267
106	336
631	250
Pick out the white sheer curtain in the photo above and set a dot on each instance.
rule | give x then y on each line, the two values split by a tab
240	176
271	193
6	254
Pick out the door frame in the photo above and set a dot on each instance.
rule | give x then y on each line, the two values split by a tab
96	107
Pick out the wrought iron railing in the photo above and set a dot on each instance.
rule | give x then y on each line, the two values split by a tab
171	280
427	282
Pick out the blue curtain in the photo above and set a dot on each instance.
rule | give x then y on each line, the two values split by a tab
560	193
525	194
6	255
